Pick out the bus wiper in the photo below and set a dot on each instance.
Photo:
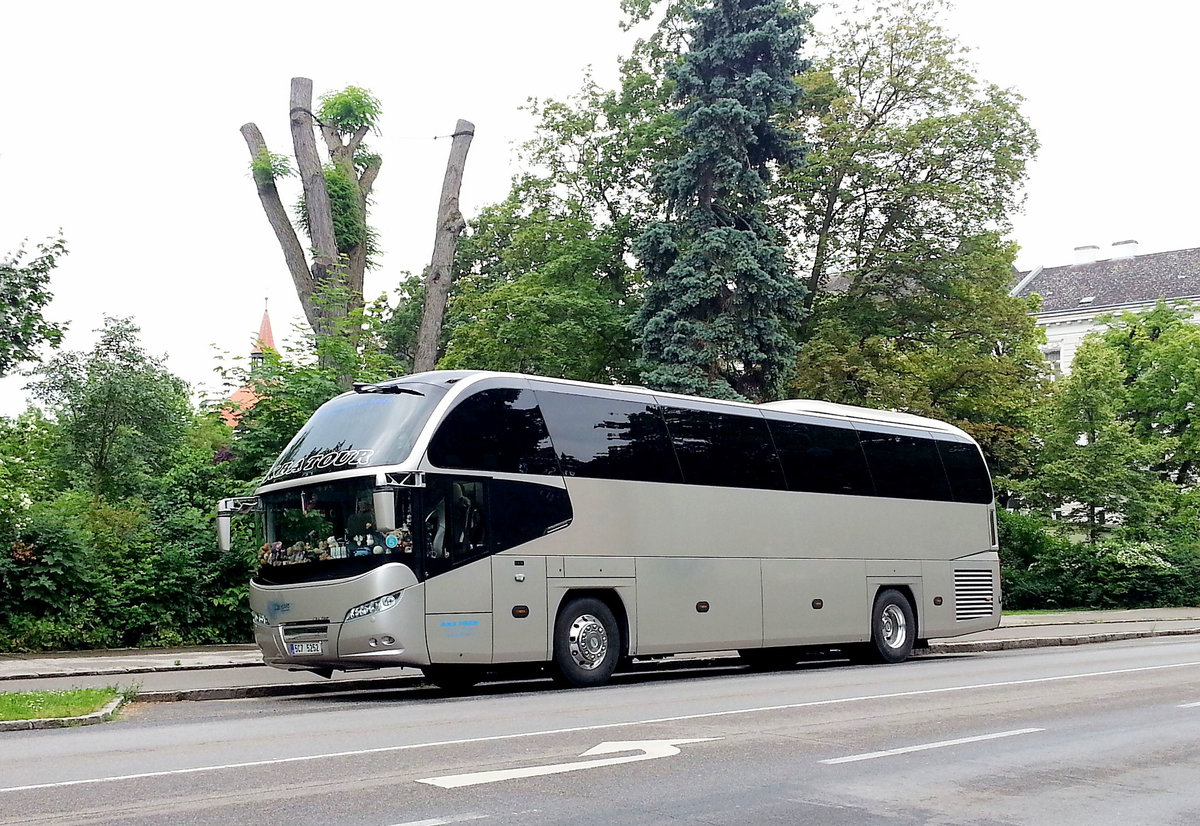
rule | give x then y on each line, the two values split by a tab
364	387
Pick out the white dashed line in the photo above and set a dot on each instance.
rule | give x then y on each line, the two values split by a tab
854	758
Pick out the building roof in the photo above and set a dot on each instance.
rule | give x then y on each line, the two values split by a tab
1115	282
244	397
265	338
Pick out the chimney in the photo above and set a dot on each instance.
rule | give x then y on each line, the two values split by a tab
1087	255
1124	249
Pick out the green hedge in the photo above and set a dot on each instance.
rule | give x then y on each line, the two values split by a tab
1040	568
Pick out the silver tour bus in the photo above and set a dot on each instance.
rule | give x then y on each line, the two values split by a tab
459	520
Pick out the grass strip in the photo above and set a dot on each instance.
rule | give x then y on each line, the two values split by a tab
74	702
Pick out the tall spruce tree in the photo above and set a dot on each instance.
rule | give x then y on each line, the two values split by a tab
721	300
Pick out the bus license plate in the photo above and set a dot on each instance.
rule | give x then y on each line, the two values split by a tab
307	648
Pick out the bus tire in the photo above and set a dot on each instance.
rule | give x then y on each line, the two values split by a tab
587	643
452	679
893	628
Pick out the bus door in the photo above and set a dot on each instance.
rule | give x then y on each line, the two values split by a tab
458	578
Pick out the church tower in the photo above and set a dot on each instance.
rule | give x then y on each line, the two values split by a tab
245	397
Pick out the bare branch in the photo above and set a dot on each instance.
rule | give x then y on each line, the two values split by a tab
285	233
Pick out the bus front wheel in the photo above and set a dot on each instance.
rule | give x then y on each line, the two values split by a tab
587	643
893	628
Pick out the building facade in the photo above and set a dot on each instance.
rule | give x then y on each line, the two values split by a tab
1075	295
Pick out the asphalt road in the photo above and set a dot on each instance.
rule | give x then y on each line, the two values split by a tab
1090	735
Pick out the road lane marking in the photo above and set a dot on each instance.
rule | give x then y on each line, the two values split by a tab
871	755
650	750
1190	705
601	726
442	821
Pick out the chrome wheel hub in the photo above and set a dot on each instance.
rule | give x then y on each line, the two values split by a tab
894	627
588	642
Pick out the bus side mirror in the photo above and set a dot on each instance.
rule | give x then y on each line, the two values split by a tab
384	501
226	509
225	530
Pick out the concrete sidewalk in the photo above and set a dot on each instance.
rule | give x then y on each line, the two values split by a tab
224	672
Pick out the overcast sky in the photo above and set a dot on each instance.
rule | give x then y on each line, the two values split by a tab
120	125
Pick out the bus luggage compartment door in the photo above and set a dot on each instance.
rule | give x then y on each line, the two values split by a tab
520	629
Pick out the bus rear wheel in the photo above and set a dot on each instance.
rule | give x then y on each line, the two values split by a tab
893	628
587	643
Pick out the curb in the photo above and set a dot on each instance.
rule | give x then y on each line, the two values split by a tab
114	671
102	716
970	647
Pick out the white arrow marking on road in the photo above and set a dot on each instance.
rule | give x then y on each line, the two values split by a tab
650	750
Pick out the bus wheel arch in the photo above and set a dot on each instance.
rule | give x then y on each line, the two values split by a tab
893	625
590	637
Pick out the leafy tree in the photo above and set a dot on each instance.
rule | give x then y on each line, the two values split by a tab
967	352
721	300
909	154
119	411
598	150
27	471
913	168
1160	357
1091	461
542	289
24	294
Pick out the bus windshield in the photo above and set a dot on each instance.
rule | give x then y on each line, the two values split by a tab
357	430
328	531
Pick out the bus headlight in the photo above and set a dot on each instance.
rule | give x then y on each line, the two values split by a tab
259	618
374	606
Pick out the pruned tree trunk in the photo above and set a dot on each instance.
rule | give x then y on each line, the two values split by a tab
307	279
316	195
450	225
331	286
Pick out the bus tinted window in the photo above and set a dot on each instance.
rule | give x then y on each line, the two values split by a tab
522	511
609	438
499	430
969	480
906	467
723	450
820	459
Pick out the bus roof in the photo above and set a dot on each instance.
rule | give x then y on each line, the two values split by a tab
795	406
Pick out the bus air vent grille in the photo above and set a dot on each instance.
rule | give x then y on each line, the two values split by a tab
974	594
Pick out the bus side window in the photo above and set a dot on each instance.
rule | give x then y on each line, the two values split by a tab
499	430
969	479
904	466
455	523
